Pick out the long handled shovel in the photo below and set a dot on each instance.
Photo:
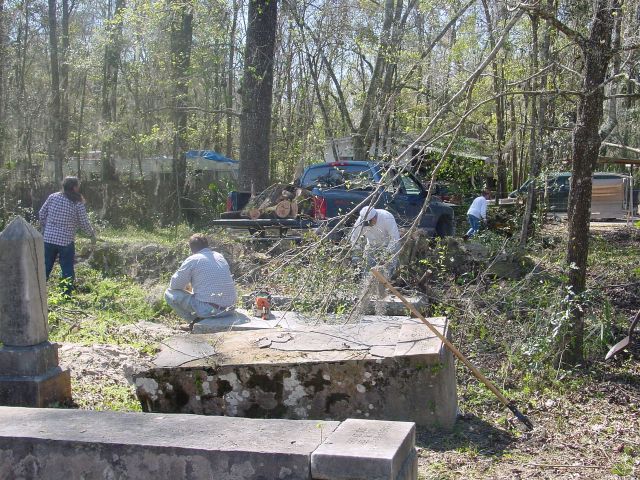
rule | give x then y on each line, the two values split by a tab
477	373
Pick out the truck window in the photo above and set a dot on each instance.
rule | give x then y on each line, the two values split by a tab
409	184
350	177
403	183
310	179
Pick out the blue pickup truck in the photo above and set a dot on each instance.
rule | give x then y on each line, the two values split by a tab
339	187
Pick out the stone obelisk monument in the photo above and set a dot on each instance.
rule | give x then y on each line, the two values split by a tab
29	371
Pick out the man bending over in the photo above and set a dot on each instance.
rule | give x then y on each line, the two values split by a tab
378	227
202	287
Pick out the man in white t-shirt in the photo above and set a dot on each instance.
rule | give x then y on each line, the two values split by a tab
380	230
477	212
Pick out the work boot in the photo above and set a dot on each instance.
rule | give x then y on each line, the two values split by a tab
465	237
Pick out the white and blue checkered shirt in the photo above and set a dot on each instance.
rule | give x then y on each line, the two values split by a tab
60	218
210	278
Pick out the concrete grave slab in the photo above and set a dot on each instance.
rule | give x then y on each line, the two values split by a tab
240	320
388	368
69	444
365	450
417	337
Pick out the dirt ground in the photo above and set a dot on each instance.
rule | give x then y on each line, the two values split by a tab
558	224
591	433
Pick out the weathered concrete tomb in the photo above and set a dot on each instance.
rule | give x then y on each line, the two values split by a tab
390	368
29	371
52	444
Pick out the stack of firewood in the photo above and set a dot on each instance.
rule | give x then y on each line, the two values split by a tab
279	201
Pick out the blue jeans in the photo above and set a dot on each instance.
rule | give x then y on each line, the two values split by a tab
66	257
475	225
188	307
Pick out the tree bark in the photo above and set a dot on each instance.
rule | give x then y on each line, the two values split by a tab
596	50
257	94
56	150
64	78
364	134
109	94
181	41
80	127
498	80
3	58
513	151
231	80
534	170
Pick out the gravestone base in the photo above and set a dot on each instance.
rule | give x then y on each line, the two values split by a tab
49	389
28	361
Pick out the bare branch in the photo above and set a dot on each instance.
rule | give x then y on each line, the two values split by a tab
623	147
225	111
561	26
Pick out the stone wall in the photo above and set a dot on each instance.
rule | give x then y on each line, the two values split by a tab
52	444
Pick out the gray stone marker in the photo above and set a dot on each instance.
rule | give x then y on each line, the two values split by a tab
69	444
366	450
385	368
29	371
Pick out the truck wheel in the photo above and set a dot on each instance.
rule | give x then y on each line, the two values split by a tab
444	227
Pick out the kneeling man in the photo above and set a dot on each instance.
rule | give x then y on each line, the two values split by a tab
212	290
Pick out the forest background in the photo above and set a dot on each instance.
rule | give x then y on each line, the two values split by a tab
150	79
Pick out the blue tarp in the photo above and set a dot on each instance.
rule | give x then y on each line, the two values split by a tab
210	155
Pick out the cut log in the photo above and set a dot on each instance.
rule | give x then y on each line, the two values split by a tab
283	209
254	213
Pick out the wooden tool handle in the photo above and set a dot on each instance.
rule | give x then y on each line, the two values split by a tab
477	373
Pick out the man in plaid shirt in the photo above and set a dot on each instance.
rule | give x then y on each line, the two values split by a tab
206	273
60	216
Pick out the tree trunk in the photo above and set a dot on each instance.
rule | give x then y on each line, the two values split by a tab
534	171
230	80
257	94
498	80
364	134
584	156
56	150
181	40
109	95
3	58
64	78
80	127
513	152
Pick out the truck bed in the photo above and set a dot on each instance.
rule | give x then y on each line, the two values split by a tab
264	223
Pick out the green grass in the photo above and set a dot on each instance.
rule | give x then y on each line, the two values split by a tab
105	396
129	234
98	309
